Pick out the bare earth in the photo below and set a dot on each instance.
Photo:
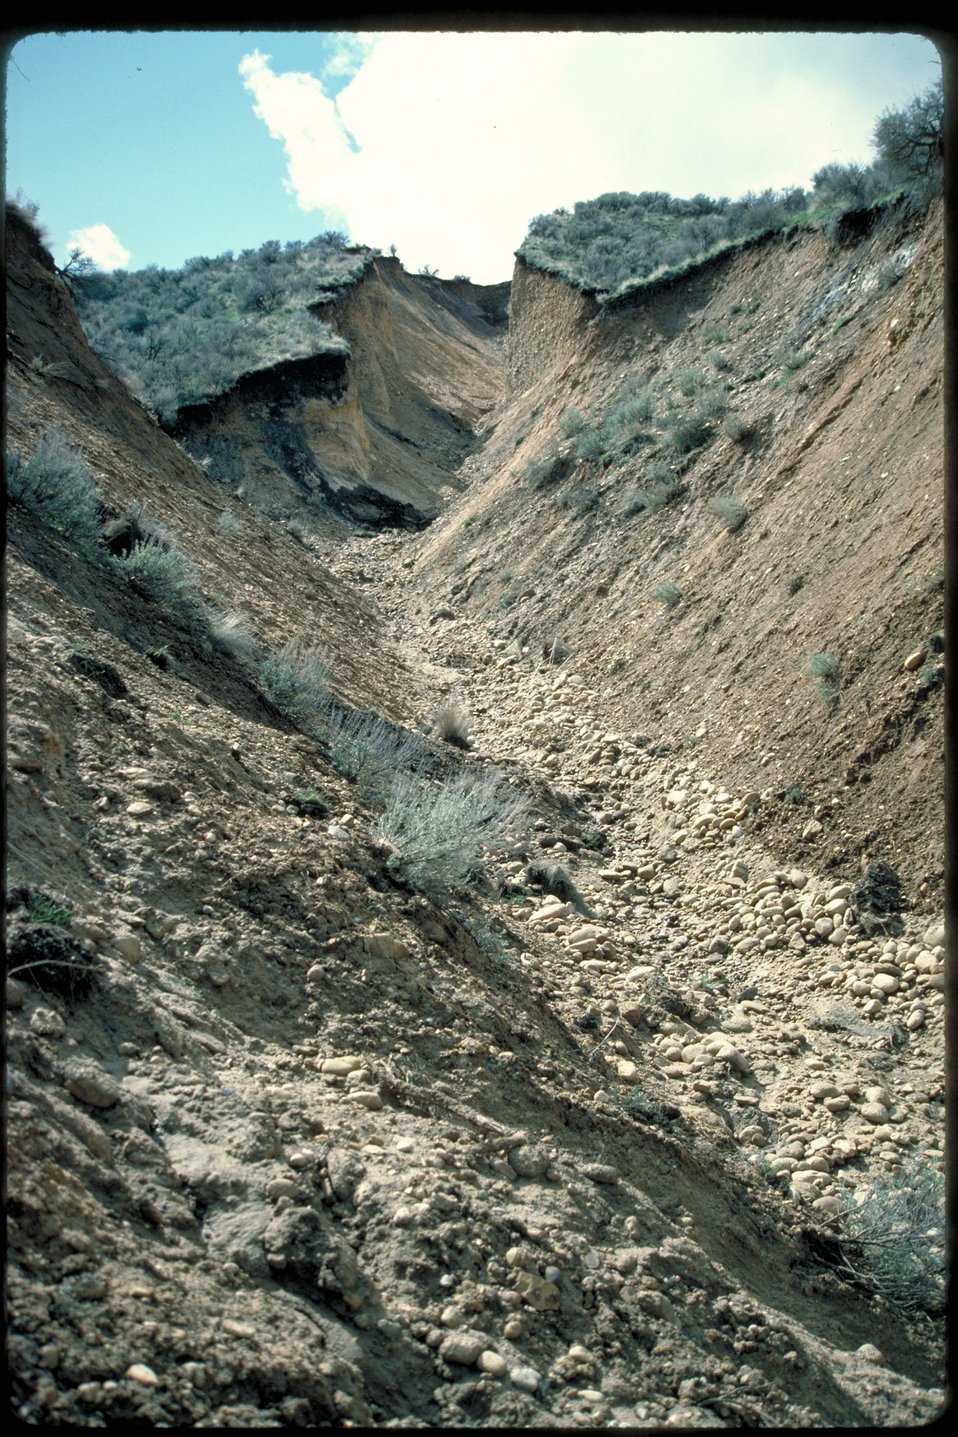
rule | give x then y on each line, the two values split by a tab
308	1147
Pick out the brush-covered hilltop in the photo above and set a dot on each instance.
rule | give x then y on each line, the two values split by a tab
474	886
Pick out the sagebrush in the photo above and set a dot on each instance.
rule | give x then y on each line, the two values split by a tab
439	830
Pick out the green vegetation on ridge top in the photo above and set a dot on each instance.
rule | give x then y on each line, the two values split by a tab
619	239
179	337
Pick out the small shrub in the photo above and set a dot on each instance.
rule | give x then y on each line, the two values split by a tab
626	429
572	423
164	574
730	510
739	429
690	381
796	582
667	593
228	523
689	432
297	530
893	1242
56	485
651	498
545	471
295	679
590	445
439	829
368	748
795	794
581	500
719	361
713	403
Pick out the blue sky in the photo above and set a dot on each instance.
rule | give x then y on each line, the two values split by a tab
151	147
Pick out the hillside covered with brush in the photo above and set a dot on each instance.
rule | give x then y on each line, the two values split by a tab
475	858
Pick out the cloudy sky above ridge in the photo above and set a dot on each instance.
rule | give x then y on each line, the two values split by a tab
151	147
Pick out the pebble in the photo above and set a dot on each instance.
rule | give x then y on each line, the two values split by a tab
600	1172
139	1372
527	1379
463	1347
94	1089
870	1353
366	1098
339	1066
127	944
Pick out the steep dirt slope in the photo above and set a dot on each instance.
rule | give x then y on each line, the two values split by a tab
834	375
232	548
291	1141
374	437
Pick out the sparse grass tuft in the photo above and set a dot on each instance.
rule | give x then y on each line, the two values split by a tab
824	670
43	909
229	632
823	666
553	878
792	362
451	724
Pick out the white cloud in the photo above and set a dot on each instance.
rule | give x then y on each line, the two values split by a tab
349	51
101	245
448	144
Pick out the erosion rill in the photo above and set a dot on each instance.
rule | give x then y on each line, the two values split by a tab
580	1075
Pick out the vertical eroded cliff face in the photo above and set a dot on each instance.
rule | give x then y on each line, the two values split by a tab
374	437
